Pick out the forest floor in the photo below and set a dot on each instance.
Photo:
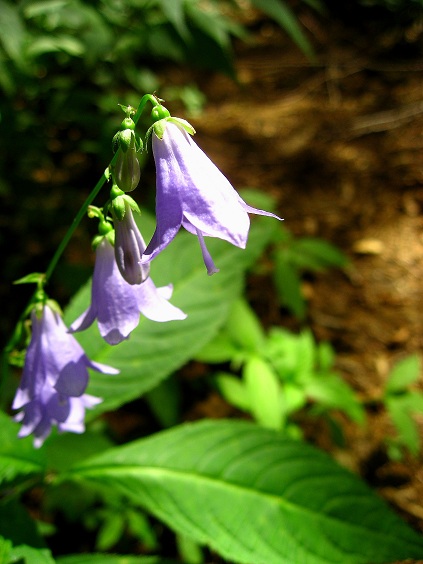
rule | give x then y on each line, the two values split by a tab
339	144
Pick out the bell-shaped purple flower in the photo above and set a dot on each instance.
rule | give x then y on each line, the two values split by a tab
129	246
51	408
192	192
117	305
54	379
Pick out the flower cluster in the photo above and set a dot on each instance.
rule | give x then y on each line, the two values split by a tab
54	379
190	192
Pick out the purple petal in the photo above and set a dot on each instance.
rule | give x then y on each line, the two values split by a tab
154	306
208	200
116	302
73	379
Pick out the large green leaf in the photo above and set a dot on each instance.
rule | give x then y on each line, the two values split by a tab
155	350
18	458
254	496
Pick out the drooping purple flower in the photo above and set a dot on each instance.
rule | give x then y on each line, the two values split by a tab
51	408
117	305
129	246
192	192
54	379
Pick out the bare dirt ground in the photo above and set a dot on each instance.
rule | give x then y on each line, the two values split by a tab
339	143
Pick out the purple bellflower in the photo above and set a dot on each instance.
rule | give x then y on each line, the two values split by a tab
54	379
192	192
117	305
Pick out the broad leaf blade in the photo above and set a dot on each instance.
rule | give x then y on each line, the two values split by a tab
18	458
254	496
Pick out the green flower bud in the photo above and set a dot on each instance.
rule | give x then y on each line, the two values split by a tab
159	112
127	170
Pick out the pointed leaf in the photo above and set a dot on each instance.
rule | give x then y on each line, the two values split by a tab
404	373
283	15
264	393
254	496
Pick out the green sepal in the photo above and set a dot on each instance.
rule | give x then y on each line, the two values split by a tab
126	139
128	110
118	208
33	278
110	236
182	123
160	126
132	204
54	306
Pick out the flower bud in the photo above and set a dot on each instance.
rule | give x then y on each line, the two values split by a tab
127	170
129	246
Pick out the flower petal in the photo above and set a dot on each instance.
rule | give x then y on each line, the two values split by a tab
153	306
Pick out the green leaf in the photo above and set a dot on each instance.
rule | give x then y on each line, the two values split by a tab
329	390
244	327
407	429
155	350
220	349
110	531
255	496
233	390
316	254
12	32
404	373
174	12
5	549
31	555
112	559
283	15
18	458
17	526
51	44
264	393
288	284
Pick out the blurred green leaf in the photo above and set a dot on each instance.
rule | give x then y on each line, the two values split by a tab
112	559
233	390
17	526
329	390
110	531
408	434
264	392
244	328
18	458
288	284
31	555
284	16
12	32
316	254
404	373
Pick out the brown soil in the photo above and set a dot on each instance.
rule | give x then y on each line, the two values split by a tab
339	143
